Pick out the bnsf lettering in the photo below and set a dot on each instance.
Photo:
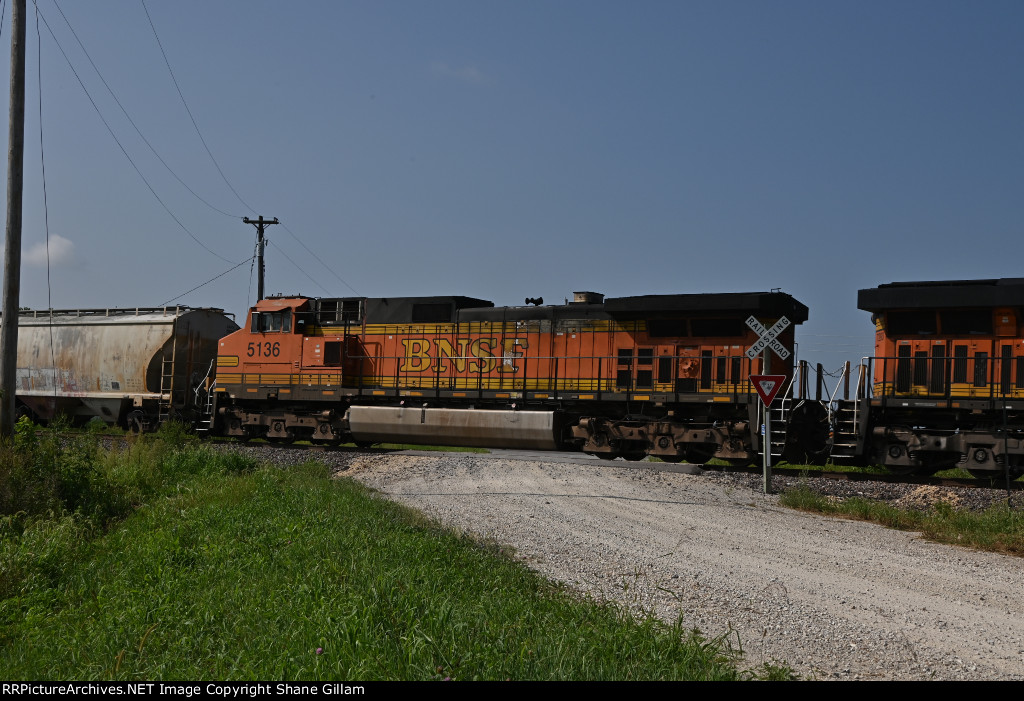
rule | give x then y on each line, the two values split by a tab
479	355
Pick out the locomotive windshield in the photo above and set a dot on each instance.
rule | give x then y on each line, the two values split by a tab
271	322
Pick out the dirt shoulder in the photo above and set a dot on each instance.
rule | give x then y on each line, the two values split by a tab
834	599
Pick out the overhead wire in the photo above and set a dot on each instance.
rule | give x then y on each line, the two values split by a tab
216	164
123	150
297	266
318	258
163	161
187	109
215	277
252	268
132	121
46	208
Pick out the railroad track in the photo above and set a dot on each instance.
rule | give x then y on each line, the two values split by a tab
582	458
996	482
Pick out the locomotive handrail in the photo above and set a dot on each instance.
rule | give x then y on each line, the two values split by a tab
201	386
989	370
174	310
735	384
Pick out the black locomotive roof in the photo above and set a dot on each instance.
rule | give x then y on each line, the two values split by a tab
406	310
759	304
548	312
446	309
935	294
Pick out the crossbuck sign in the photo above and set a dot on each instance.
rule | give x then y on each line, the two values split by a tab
768	338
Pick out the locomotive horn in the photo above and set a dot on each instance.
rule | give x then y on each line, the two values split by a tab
535	301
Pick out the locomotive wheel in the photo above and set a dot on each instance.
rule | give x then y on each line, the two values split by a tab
674	459
635	456
606	456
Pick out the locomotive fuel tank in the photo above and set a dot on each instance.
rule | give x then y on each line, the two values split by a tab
146	363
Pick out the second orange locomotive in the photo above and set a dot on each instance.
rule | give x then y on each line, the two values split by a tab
662	375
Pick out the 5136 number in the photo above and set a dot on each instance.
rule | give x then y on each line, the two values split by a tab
265	349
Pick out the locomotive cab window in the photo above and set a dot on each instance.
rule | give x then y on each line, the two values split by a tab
271	322
911	323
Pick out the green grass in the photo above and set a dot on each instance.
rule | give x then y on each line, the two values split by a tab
211	567
997	529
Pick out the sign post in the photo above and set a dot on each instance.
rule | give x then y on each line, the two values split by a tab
767	385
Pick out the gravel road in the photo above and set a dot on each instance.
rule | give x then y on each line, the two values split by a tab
834	599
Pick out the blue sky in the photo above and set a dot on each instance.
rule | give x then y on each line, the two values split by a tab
506	150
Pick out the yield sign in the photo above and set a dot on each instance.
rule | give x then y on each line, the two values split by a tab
767	386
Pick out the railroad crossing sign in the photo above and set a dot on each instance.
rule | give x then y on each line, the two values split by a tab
768	338
767	386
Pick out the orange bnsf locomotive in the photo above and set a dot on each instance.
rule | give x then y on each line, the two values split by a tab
660	375
945	387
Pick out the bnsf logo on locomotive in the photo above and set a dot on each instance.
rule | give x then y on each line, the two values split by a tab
477	355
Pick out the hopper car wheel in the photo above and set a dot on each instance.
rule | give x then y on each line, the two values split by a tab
364	444
135	421
674	459
635	455
606	456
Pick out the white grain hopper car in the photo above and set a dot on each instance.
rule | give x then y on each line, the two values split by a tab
131	367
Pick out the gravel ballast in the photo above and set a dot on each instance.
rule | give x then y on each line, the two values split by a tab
832	598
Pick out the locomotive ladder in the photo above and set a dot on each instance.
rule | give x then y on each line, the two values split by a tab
846	438
779	413
848	417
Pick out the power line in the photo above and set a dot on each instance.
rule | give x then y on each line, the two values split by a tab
46	207
319	259
132	121
121	146
299	268
207	282
194	124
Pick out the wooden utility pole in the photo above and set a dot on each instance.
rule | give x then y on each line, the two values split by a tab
12	251
260	225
